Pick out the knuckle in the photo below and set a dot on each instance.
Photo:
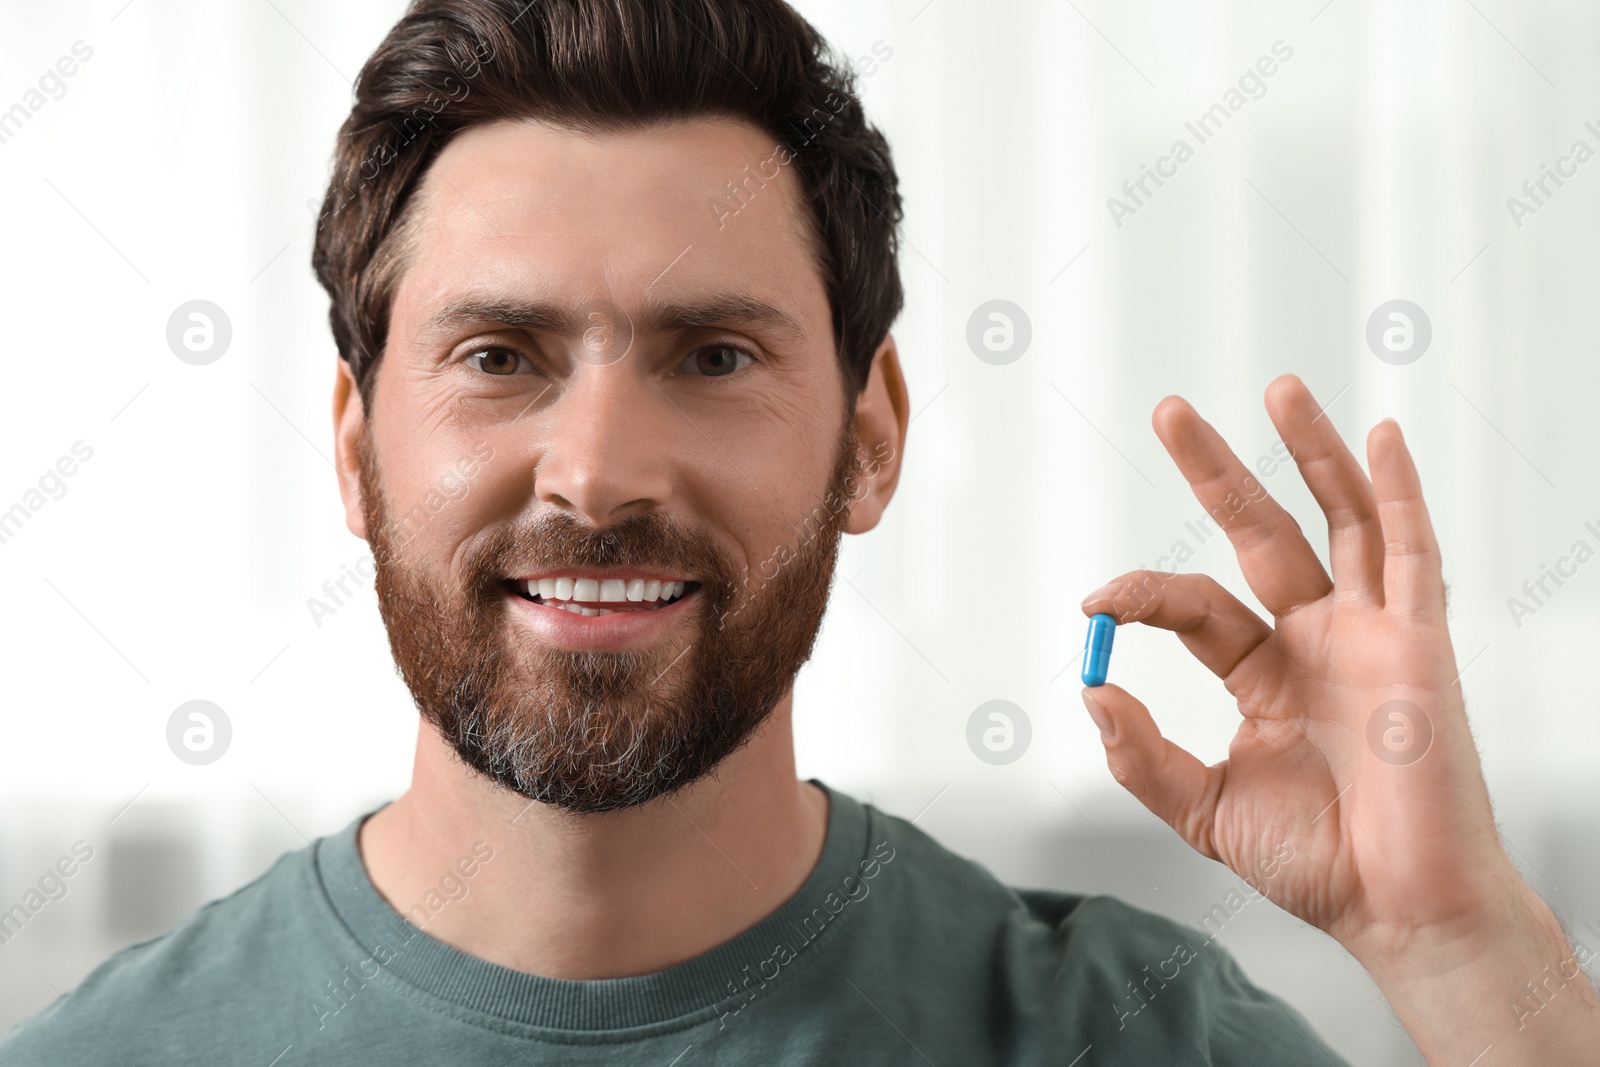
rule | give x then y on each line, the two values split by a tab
1121	771
1407	546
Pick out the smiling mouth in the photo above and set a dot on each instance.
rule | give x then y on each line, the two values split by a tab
601	596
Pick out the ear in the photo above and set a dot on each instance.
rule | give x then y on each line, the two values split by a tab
349	428
883	411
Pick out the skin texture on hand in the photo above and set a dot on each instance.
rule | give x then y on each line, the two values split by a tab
1353	747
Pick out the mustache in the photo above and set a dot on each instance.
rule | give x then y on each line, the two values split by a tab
594	731
556	540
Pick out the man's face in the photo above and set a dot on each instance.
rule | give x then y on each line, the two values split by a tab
601	390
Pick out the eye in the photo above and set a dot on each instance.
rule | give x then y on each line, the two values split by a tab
715	361
496	361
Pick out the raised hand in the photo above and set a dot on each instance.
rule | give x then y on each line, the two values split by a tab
1352	794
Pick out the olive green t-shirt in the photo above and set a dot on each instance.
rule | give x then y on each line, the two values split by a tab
894	951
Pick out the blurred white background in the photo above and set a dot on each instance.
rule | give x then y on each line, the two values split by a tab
177	162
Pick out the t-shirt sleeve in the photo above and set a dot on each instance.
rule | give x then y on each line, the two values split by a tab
1247	1025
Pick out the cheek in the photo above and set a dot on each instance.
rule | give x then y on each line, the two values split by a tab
435	475
490	497
437	492
789	424
789	460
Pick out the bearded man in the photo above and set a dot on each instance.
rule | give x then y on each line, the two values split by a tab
612	283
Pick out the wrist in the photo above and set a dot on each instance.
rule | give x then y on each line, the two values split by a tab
1510	981
1494	914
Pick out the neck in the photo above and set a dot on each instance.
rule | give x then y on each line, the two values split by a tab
597	896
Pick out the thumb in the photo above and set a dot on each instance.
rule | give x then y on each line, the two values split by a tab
1167	779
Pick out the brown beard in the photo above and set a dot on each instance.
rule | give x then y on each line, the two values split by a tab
596	731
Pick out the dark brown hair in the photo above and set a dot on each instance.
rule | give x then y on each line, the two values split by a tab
600	65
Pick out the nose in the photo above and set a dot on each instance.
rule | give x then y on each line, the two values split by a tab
607	454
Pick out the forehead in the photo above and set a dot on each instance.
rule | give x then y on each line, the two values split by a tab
638	217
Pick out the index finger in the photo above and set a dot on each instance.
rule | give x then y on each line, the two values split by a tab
1278	562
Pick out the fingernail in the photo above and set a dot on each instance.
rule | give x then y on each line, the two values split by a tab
1108	729
1105	592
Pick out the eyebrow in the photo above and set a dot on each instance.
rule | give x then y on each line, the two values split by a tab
724	309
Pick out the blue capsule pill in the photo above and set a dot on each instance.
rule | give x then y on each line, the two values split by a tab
1097	649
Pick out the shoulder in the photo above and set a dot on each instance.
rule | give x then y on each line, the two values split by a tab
149	995
935	879
1070	964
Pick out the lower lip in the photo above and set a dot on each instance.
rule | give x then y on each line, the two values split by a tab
618	630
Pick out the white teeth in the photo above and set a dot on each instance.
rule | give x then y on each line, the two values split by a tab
579	609
602	590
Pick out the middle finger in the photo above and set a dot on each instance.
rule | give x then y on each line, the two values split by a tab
1279	563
